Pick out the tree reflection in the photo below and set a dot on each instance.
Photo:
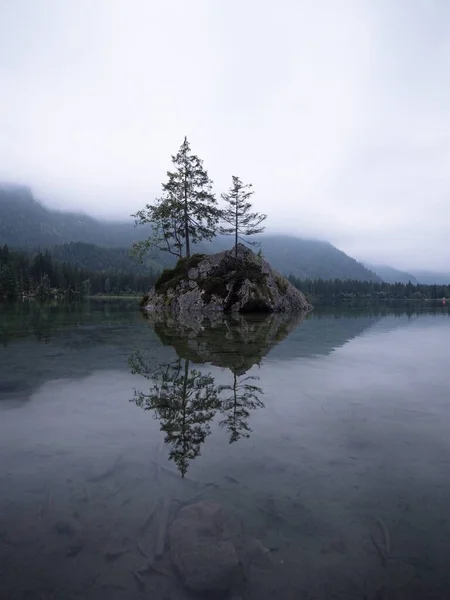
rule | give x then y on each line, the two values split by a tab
238	399
184	401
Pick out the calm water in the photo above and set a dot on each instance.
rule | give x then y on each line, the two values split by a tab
327	439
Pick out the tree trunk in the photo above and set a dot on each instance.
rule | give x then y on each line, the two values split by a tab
186	221
185	403
236	234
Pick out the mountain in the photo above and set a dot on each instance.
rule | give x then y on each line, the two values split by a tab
430	278
312	259
391	275
85	241
25	223
100	258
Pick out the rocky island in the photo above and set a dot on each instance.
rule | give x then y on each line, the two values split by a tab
231	281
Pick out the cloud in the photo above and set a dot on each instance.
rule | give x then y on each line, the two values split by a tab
336	112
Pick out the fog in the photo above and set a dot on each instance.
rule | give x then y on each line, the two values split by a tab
337	112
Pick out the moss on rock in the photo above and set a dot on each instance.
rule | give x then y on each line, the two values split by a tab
213	286
144	301
226	279
282	284
224	282
170	278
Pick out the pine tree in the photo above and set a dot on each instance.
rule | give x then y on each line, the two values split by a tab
237	216
187	211
8	283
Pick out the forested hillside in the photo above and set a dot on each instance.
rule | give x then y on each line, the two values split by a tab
321	291
391	275
101	258
428	277
312	258
27	224
26	275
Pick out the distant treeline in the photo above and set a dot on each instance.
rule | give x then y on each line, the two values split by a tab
41	274
25	275
324	291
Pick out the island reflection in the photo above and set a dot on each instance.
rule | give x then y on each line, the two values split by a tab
186	400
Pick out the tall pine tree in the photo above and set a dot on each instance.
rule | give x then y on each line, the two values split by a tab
187	211
237	216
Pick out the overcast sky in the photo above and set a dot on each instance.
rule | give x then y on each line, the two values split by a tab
338	111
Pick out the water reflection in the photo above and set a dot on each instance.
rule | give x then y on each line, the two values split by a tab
44	320
232	341
342	487
241	397
186	400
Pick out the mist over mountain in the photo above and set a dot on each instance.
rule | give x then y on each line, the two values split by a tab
391	275
83	240
26	223
429	277
93	243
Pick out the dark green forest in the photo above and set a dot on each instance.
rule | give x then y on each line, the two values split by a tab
322	291
38	274
87	270
100	258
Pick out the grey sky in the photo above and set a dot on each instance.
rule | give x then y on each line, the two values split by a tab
338	111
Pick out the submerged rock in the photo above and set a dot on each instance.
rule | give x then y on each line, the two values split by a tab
256	554
234	341
224	282
65	527
201	549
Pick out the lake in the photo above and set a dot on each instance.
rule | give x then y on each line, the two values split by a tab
325	439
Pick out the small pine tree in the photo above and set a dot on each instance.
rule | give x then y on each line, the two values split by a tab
8	283
237	216
186	213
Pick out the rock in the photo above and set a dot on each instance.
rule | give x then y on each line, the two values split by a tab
74	549
257	554
224	283
201	549
65	527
